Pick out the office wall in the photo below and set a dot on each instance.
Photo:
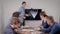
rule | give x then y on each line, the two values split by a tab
59	11
0	17
52	7
0	20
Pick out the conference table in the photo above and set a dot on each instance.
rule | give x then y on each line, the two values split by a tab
31	30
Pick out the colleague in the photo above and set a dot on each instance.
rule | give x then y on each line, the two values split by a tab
22	11
8	28
17	14
43	17
14	24
54	27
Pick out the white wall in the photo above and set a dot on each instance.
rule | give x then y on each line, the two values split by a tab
59	12
52	7
0	17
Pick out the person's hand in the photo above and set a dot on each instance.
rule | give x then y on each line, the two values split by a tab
22	17
17	31
26	15
14	26
41	27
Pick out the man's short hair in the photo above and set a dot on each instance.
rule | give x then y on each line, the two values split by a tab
16	14
23	2
50	18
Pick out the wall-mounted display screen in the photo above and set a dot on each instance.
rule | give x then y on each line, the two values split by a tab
33	14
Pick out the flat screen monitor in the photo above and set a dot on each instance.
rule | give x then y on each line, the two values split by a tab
33	14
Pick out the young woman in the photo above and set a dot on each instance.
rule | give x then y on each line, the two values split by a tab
43	17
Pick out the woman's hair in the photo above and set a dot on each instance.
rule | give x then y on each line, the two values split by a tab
43	14
16	19
50	18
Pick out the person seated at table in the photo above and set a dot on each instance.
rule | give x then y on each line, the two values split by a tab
14	24
15	14
54	27
43	17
